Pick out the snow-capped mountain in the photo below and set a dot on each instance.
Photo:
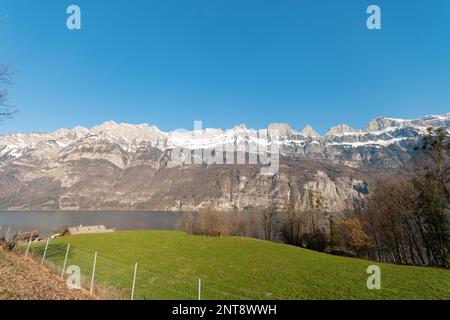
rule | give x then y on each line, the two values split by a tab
123	166
381	132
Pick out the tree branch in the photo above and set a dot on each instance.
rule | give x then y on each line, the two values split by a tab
5	109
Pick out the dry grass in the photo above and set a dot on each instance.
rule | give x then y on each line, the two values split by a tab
24	279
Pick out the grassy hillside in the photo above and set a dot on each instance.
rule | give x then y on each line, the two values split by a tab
169	264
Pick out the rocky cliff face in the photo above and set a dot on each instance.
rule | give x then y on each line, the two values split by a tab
120	166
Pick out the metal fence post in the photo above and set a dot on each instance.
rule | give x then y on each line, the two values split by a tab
45	251
93	273
134	281
28	247
65	261
199	289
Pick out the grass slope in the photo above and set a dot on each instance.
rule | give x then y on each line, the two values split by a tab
170	262
21	279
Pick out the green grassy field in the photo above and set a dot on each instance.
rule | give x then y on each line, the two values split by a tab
170	264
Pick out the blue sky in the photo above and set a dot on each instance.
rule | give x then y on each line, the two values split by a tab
226	62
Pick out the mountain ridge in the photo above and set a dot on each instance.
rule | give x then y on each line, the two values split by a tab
125	167
111	125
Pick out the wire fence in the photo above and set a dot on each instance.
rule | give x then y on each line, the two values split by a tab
109	278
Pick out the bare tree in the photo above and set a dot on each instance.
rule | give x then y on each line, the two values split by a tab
251	224
432	183
211	223
186	222
302	228
292	225
237	224
392	221
268	223
5	109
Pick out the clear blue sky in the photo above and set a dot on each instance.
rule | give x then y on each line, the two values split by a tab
226	62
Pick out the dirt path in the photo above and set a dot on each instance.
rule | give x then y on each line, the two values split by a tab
23	279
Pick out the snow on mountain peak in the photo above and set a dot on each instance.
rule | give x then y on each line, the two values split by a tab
240	127
104	127
309	132
379	132
433	121
284	129
382	123
340	129
81	131
128	131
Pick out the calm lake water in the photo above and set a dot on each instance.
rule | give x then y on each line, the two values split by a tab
48	223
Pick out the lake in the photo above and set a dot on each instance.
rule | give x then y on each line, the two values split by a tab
48	222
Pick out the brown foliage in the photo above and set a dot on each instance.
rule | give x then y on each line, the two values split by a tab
210	223
351	234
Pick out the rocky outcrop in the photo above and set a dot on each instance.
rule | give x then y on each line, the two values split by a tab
89	183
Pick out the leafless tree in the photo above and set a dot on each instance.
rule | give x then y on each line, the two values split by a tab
268	223
392	222
292	226
186	222
432	182
211	223
5	109
252	225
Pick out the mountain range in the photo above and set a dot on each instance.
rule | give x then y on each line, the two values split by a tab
129	167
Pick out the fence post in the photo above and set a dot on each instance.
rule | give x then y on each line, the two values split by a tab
45	251
7	233
28	247
134	281
93	273
199	289
65	261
